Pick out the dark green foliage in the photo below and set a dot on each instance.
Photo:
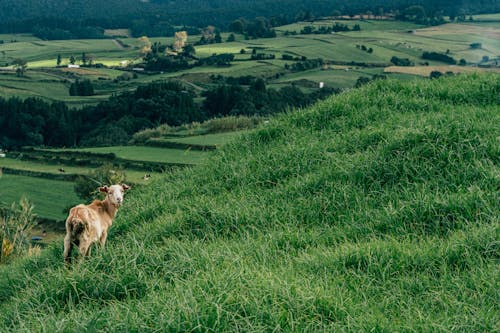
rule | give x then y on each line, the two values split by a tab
87	187
34	122
401	61
435	74
257	28
221	60
305	64
81	88
257	100
375	210
439	57
337	27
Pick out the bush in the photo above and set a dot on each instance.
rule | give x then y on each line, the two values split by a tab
435	74
86	187
401	61
439	57
15	224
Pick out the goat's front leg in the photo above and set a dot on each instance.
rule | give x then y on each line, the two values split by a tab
102	240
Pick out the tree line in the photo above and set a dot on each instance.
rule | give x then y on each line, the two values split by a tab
36	122
87	18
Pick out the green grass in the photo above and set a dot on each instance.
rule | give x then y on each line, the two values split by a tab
217	139
50	197
375	210
386	38
131	175
365	25
150	154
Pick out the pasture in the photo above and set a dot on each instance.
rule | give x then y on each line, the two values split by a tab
149	154
50	197
385	38
44	172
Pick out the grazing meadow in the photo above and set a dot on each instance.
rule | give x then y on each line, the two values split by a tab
385	38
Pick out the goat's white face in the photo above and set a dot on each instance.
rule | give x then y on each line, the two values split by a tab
114	193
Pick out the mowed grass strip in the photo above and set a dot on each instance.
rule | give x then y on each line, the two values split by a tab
149	154
131	175
50	197
374	210
217	139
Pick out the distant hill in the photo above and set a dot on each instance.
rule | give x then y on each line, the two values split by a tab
202	12
375	210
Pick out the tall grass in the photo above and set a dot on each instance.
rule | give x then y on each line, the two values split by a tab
375	210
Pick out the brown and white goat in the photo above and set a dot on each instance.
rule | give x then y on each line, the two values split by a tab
87	224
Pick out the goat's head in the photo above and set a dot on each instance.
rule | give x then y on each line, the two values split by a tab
114	193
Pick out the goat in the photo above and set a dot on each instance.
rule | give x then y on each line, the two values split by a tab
87	224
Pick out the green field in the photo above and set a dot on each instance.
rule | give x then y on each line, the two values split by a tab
217	139
50	197
47	166
150	154
385	38
131	175
373	211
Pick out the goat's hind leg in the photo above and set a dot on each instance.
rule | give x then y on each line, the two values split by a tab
68	246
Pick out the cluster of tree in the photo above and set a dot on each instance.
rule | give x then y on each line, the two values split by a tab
262	56
78	32
364	48
220	60
305	65
258	28
257	99
362	80
81	88
439	57
210	35
401	61
35	122
157	17
337	27
291	57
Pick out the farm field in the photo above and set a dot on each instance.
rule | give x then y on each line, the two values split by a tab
426	70
207	139
385	38
150	154
23	165
50	197
13	186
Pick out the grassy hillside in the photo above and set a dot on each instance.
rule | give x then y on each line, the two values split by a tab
376	210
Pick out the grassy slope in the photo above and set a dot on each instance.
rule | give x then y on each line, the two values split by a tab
375	210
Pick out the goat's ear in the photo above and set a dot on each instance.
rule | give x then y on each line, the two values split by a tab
125	187
103	189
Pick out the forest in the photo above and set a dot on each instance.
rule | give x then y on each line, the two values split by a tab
35	122
86	19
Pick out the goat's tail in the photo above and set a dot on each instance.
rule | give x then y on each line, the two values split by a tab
76	226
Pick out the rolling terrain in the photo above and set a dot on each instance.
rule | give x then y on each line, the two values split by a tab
344	55
374	210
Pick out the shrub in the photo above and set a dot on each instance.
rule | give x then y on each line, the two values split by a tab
439	57
435	74
15	224
401	61
86	187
